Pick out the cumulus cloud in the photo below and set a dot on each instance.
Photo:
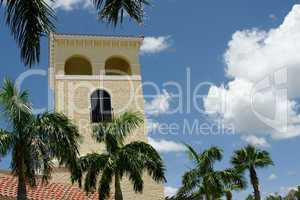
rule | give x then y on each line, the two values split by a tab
152	45
256	141
261	65
158	105
70	4
272	177
170	191
166	146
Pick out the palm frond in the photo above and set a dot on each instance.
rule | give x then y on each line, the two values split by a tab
105	182
190	182
114	133
263	159
6	141
102	132
232	179
113	11
41	154
193	155
31	164
209	156
61	136
143	155
15	105
240	159
93	164
28	21
135	176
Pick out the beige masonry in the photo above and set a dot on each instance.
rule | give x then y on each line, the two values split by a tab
72	92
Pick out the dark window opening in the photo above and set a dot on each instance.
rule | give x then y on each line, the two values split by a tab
101	110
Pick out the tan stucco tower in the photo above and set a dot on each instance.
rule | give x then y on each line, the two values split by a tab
83	68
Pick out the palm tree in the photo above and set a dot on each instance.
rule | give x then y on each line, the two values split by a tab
250	158
29	20
119	159
203	181
34	141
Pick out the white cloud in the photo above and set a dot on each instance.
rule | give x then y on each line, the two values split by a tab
159	105
254	101
256	141
70	4
170	191
152	45
166	146
272	177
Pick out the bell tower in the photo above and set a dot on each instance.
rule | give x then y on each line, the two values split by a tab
92	78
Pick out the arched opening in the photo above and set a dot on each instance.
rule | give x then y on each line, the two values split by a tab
77	65
117	66
101	110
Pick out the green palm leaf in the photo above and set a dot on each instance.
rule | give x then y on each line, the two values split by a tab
113	11
113	133
6	141
29	20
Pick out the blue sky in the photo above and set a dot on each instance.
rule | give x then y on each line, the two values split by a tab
196	36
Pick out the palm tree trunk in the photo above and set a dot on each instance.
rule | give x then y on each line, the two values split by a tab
22	192
118	189
228	195
254	182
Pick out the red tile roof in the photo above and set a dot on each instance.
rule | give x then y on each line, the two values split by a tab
51	191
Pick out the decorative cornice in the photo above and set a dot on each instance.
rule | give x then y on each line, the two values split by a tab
96	41
99	77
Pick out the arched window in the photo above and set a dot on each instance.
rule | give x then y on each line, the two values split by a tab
117	66
101	110
77	65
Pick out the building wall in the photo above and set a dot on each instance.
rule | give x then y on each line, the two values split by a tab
72	93
73	99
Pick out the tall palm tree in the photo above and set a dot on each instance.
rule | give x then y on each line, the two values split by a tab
119	159
34	141
203	181
249	158
29	20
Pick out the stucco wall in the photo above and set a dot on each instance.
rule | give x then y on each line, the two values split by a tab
72	98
